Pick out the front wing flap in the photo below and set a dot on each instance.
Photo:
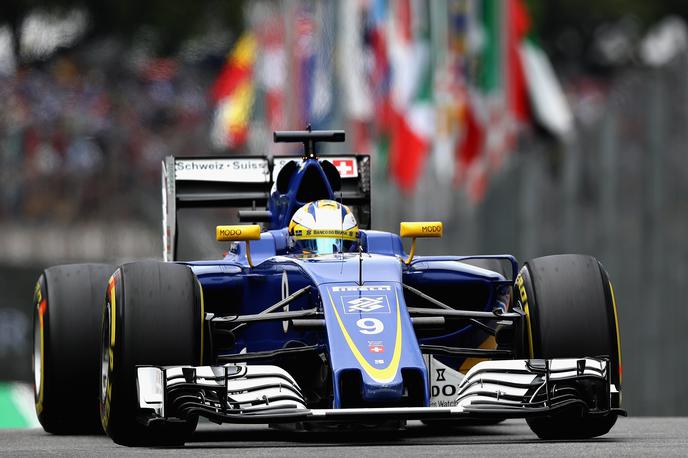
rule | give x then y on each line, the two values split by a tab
268	394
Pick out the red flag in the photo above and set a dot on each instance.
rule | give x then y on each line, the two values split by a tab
237	69
272	74
473	139
407	153
412	110
517	91
471	165
233	94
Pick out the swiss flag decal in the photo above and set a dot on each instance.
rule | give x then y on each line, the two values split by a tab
346	167
376	348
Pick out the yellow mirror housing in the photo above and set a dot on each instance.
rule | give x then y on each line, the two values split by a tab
236	233
419	229
239	233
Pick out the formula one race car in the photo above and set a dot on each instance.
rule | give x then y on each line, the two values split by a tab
319	321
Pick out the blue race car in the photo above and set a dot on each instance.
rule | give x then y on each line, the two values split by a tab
317	320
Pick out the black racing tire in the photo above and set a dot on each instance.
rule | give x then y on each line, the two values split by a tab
66	314
570	313
156	312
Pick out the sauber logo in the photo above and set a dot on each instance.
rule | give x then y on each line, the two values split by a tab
365	304
362	288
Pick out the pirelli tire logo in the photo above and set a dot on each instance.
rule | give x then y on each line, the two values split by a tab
522	295
431	229
523	300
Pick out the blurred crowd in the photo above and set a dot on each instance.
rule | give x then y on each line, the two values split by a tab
77	140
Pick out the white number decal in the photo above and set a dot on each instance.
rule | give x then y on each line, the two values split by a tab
370	325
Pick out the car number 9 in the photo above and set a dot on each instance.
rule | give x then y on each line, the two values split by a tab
370	326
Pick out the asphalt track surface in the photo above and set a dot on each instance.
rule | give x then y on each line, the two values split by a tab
630	437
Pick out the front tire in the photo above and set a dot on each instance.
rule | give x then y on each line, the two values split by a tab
570	313
67	305
153	315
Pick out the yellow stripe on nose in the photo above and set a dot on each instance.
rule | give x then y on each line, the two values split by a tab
386	374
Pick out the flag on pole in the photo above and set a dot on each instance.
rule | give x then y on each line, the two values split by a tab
271	67
233	94
549	105
376	38
304	60
456	124
321	99
539	84
499	100
411	92
357	101
482	75
517	91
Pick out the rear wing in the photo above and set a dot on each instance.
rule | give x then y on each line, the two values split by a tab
247	182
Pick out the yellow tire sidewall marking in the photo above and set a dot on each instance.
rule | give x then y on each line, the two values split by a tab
524	303
112	295
616	324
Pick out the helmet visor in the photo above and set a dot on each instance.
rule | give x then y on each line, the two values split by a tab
326	245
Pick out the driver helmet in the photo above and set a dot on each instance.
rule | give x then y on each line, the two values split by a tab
324	227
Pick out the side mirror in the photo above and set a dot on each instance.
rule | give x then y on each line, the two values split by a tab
239	233
419	229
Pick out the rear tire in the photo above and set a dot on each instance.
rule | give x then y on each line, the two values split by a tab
155	310
570	313
67	307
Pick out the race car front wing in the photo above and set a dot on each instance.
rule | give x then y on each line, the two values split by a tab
239	393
